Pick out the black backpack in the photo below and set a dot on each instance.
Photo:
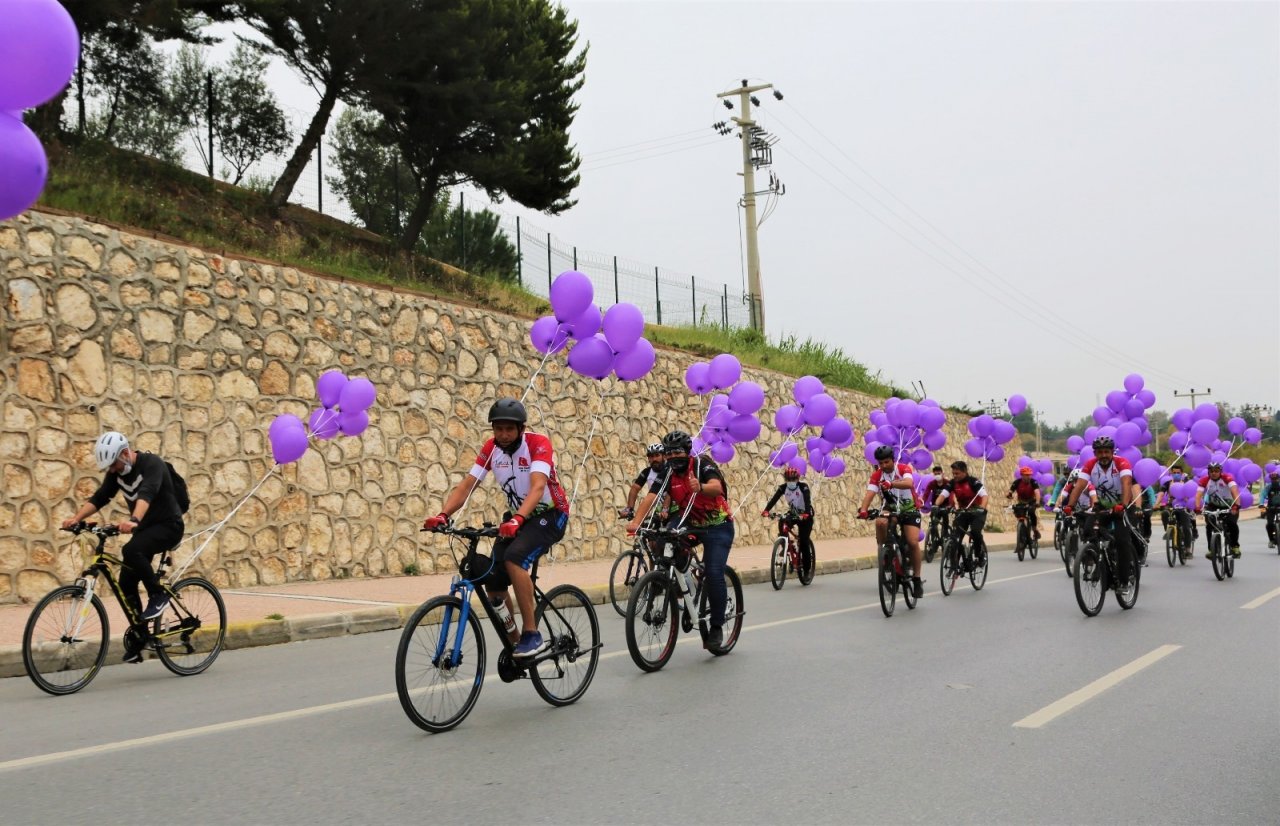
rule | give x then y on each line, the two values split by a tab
180	494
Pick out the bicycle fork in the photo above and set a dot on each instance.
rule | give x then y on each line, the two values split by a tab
86	602
455	652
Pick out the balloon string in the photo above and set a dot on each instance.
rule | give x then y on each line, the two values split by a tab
535	375
213	529
586	453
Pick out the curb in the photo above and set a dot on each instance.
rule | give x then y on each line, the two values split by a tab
254	633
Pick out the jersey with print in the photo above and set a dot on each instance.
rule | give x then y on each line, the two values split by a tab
1090	493
1026	490
1107	480
703	509
797	500
513	471
965	492
934	489
1271	495
1217	492
904	499
646	477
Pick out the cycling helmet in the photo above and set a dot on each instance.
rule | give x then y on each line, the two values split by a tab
884	452
677	441
654	449
1214	466
790	474
507	410
108	448
1104	443
1026	471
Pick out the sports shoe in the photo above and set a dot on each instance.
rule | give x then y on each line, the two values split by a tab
1208	554
715	637
531	643
156	606
917	586
1235	551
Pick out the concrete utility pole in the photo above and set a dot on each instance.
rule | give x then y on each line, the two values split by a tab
1192	394
745	125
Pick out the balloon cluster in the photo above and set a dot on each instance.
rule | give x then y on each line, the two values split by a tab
815	408
39	50
732	418
990	434
606	343
1123	418
913	429
344	409
1041	470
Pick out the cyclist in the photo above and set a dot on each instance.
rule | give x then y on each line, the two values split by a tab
938	519
1112	478
537	511
699	497
644	479
1056	496
155	521
893	481
1186	522
969	498
1219	490
1028	491
1269	501
798	500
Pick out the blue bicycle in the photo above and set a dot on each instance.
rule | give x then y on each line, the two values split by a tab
440	661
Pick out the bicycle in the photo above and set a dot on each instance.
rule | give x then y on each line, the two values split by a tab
893	566
1027	541
1224	564
663	602
787	555
1177	546
1272	517
939	531
1096	570
440	660
627	570
67	635
960	559
1070	549
1059	530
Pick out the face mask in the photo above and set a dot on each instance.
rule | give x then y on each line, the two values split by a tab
792	485
679	465
1177	477
128	468
937	477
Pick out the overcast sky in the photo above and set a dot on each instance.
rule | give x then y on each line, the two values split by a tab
1107	174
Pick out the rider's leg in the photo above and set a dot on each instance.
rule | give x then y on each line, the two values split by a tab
1035	521
1231	526
137	554
535	538
804	533
717	541
881	524
977	520
1124	549
912	533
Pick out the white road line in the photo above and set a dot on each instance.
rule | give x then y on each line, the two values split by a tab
1093	689
1250	605
359	702
347	600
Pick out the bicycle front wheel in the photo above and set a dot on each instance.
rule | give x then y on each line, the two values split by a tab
65	641
808	563
1072	550
438	671
1022	541
978	574
626	572
189	634
1171	546
951	569
1229	564
1215	552
778	564
1090	581
1034	545
888	582
568	621
652	621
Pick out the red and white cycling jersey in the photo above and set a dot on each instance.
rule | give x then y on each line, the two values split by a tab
1107	480
904	498
513	471
1218	492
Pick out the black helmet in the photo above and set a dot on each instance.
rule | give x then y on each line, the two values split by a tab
884	452
507	410
654	449
1104	443
677	441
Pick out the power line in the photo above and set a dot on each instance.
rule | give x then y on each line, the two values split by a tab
642	143
596	166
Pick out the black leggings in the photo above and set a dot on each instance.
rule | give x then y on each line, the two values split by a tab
137	555
971	521
804	532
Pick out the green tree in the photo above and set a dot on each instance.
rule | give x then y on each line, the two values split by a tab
123	74
366	171
471	240
248	122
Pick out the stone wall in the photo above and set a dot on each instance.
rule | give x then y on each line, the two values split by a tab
191	354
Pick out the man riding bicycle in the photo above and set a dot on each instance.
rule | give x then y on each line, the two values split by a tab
1028	491
1186	522
538	512
644	479
1270	504
969	498
1219	491
798	500
938	519
155	521
1112	478
699	497
893	481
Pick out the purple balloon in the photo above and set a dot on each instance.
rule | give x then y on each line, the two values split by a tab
1182	418
23	165
935	440
1205	412
921	459
722	452
1236	425
931	418
1044	465
699	446
747	397
1250	473
1116	399
1253	436
1017	403
1026	461
323	423
878	418
817	460
1197	455
725	370
974	447
353	422
1101	415
806	387
1246	499
586	325
1003	432
1177	440
784	454
838	430
905	413
1133	408
329	388
358	394
744	428
718	419
1107	431
1231	466
981	426
995	453
870	451
288	443
788	419
1133	383
635	363
285	421
1127	435
1046	480
696	378
1147	398
1090	433
39	50
1204	431
571	294
835	467
547	335
888	434
722	400
1074	443
799	464
1146	471
819	410
592	358
623	325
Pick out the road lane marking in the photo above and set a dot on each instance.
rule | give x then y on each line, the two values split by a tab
1093	689
1249	606
359	702
346	600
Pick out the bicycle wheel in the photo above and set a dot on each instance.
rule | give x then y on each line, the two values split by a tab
887	580
1171	552
189	634
1021	547
1128	597
1059	542
1090	581
1229	564
1034	546
625	573
652	621
568	621
778	564
981	561
951	569
808	564
1215	551
908	587
65	641
931	544
437	685
733	611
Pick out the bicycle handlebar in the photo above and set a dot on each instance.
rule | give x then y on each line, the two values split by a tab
489	530
93	528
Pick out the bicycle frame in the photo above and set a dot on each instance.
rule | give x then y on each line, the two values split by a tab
1213	524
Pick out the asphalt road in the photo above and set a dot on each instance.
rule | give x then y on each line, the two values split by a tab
826	712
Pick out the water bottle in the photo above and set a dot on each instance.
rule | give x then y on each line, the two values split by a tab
504	614
687	581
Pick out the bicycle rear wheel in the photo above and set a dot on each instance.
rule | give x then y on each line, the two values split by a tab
951	569
1215	551
626	572
438	687
189	634
778	564
808	564
1034	544
1171	552
65	641
1229	564
905	581
652	621
887	580
981	560
733	612
1071	545
568	622
1090	581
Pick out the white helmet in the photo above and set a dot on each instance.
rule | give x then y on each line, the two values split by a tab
109	447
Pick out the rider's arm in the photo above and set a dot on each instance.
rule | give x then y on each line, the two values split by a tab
1126	490
808	501
1076	490
459	494
1199	497
980	501
632	494
942	497
777	494
642	510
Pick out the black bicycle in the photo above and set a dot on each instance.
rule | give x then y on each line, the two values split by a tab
1027	542
627	570
1272	517
939	532
440	660
1068	528
893	564
1177	538
1224	563
671	596
1059	531
67	636
960	559
1096	567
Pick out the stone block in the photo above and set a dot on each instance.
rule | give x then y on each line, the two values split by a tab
75	306
25	301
